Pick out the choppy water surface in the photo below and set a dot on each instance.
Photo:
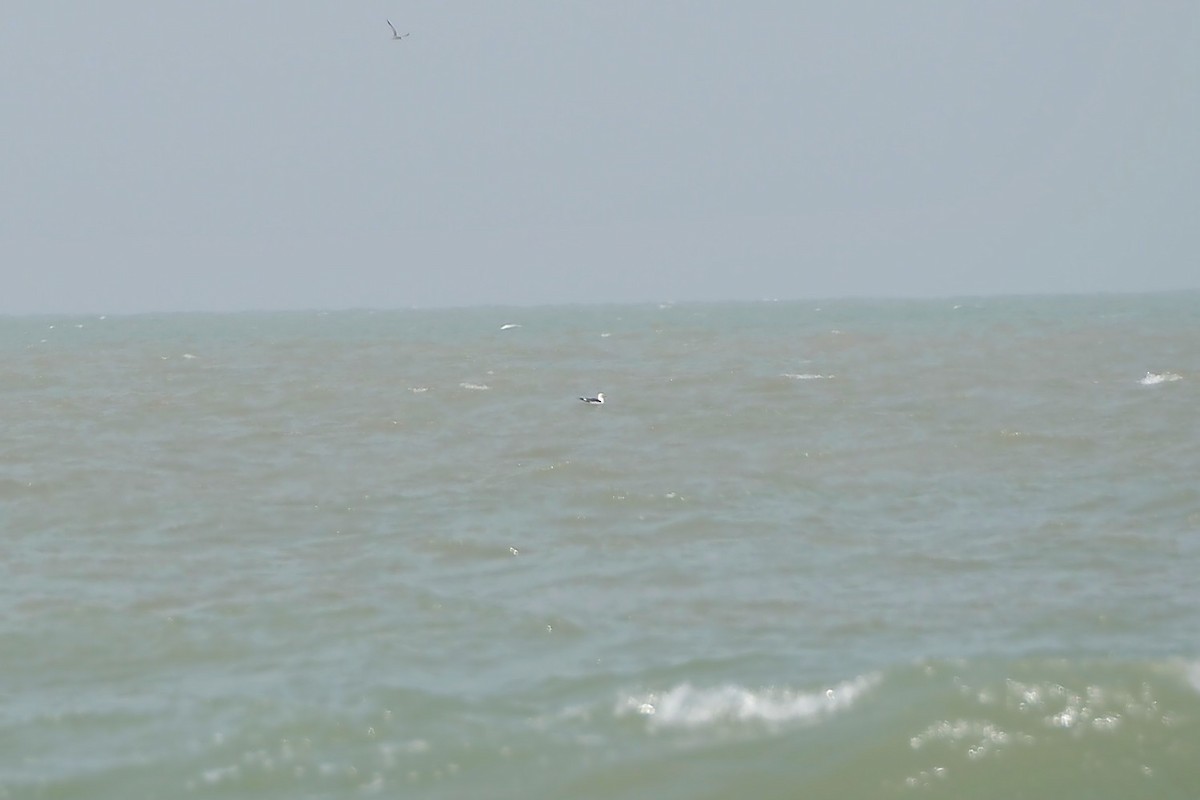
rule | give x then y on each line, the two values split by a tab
842	549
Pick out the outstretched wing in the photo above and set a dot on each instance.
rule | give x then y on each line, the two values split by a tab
395	34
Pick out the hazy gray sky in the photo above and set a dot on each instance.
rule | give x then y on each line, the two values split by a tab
229	155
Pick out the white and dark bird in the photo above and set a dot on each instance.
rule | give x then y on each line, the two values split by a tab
395	34
597	400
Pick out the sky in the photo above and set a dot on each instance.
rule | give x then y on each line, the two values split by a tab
232	155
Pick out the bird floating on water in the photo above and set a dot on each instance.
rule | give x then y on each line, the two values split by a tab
395	34
597	400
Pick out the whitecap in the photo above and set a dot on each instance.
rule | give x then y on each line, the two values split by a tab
1153	378
806	376
418	389
509	326
687	706
478	387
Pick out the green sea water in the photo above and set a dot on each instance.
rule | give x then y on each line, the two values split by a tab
940	548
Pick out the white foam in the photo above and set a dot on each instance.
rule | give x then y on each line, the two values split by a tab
687	706
1159	377
509	326
478	387
806	376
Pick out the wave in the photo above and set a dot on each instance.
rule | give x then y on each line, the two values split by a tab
1069	728
1154	378
1039	727
687	706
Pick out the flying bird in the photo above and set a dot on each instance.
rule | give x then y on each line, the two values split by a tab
395	33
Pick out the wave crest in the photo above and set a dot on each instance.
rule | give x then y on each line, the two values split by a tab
1153	378
687	706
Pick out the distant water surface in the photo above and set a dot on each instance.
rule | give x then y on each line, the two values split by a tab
815	550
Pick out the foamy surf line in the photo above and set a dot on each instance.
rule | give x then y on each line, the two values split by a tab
687	706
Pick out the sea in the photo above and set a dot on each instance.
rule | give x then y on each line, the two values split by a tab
938	548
